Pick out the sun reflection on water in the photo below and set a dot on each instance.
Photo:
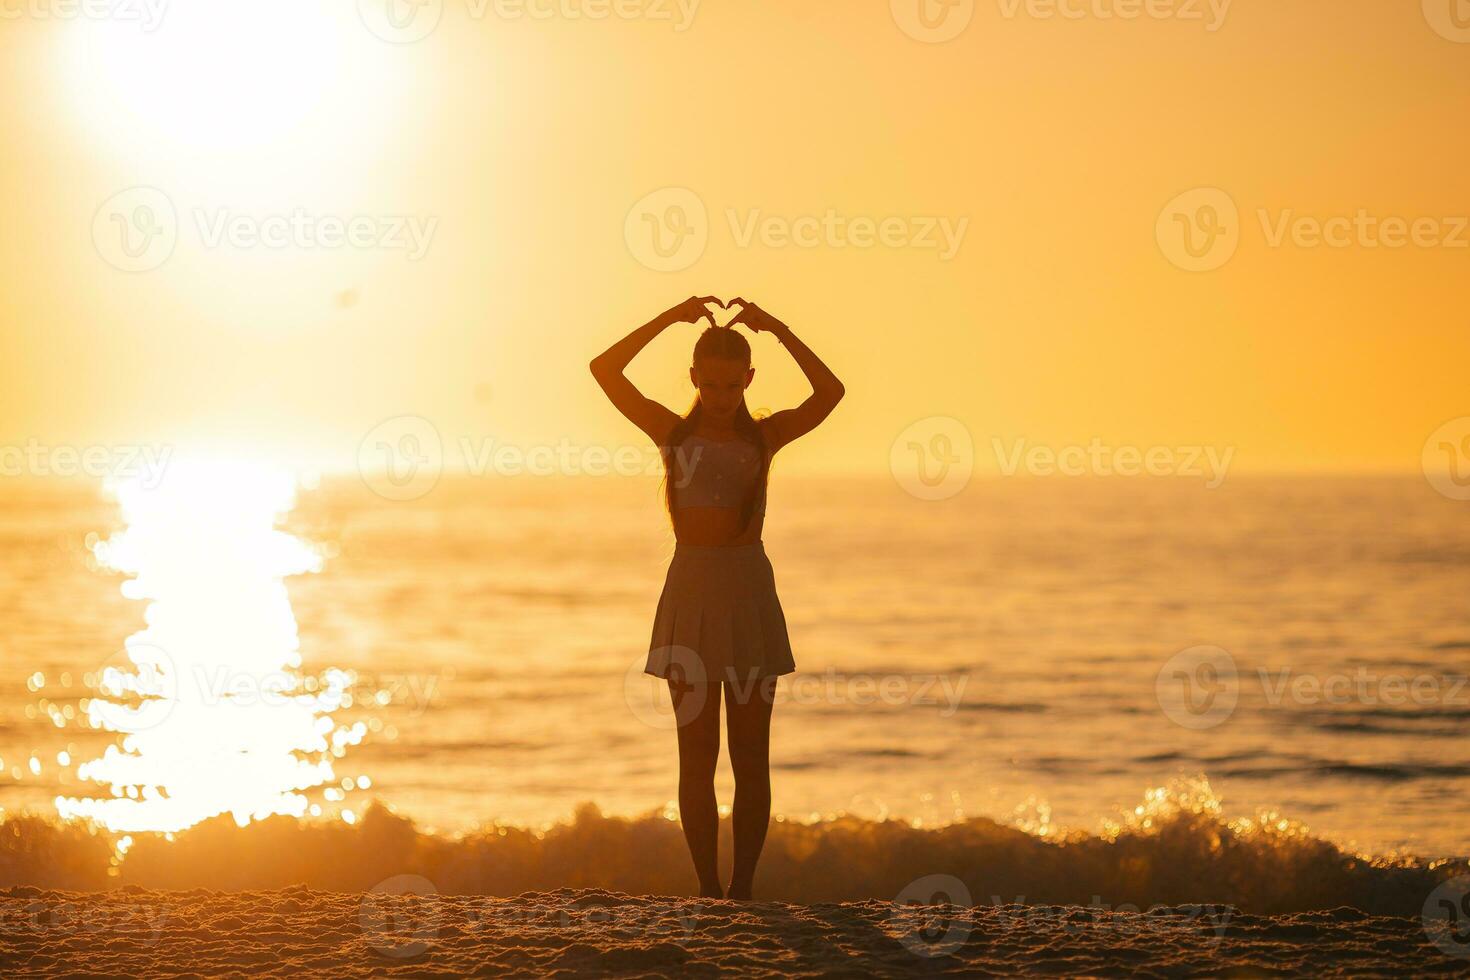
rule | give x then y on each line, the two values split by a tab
213	713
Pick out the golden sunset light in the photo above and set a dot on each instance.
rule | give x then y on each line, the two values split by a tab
626	487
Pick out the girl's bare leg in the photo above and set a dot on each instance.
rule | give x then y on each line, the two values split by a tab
699	750
748	707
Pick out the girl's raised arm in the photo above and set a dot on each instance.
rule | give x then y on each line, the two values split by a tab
792	423
654	419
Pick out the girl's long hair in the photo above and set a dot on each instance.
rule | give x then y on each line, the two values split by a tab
726	343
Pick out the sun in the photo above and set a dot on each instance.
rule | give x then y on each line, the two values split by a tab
222	75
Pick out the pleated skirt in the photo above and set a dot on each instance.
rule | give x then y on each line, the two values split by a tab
719	617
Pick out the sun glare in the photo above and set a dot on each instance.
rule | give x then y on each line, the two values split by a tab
221	74
214	713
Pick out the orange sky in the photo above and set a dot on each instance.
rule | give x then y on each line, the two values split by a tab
525	142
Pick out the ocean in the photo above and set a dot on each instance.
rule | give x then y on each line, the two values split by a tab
1056	654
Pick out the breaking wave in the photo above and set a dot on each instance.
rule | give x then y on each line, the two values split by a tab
1175	848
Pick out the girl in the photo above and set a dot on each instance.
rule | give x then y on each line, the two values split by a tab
719	626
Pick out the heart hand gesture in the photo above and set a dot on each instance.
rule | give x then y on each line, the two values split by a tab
715	310
755	318
692	310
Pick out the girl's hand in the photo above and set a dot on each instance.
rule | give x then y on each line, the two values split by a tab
692	310
756	319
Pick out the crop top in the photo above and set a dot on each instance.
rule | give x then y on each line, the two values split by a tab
715	473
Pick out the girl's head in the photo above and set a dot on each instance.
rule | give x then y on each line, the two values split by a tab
721	371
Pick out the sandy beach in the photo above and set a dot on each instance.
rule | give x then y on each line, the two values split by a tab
1189	895
136	932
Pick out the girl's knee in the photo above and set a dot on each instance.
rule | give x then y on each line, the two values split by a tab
699	756
750	767
697	774
753	783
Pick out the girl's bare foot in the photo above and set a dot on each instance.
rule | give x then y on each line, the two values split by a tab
739	891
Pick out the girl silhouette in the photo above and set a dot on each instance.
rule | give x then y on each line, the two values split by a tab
719	627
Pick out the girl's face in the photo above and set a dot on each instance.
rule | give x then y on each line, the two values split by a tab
721	383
